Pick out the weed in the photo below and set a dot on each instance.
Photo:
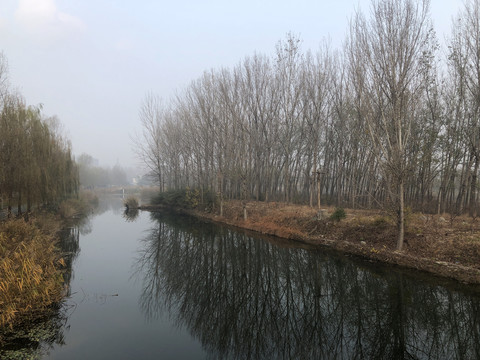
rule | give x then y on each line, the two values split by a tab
380	221
338	214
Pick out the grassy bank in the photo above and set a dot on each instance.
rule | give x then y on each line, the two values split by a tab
30	271
443	245
446	245
31	265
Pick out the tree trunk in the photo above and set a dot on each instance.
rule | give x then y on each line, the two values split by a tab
473	191
312	177
220	192
319	187
19	203
401	217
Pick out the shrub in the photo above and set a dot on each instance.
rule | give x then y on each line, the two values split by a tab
170	198
186	198
131	203
210	200
148	193
381	221
338	214
192	198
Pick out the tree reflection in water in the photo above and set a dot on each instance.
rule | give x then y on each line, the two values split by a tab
247	298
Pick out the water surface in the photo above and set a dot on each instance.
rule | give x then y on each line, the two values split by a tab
172	287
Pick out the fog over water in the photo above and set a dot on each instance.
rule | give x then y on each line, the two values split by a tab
91	63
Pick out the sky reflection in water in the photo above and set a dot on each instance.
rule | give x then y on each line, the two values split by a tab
160	285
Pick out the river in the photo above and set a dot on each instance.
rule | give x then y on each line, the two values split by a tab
163	286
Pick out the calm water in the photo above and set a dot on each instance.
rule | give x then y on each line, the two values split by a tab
158	286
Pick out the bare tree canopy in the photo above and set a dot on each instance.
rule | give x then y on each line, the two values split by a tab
375	124
390	49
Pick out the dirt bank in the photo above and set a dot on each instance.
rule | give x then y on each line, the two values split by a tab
443	245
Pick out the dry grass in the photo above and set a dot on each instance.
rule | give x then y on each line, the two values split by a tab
131	202
275	218
455	240
30	279
75	208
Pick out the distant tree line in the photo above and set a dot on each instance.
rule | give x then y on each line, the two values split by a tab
36	163
385	121
92	175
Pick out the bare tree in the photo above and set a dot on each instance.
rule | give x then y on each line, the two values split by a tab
390	46
464	63
316	110
148	145
290	84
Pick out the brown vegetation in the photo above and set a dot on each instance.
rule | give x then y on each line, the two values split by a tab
78	207
30	280
131	203
447	246
31	266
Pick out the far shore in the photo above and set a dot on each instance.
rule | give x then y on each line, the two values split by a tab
446	246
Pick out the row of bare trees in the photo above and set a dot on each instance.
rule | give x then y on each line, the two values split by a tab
384	121
36	164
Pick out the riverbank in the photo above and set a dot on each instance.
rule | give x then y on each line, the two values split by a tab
442	245
32	265
30	269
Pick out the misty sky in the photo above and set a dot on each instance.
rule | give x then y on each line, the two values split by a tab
91	62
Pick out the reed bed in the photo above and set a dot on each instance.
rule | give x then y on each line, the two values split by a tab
30	271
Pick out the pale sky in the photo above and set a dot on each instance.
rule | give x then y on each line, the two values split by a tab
91	62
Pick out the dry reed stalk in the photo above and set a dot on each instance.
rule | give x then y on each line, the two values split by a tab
30	271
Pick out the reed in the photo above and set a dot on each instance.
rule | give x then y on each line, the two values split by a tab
131	203
77	208
30	271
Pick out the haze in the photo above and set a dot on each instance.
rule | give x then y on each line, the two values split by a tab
92	62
